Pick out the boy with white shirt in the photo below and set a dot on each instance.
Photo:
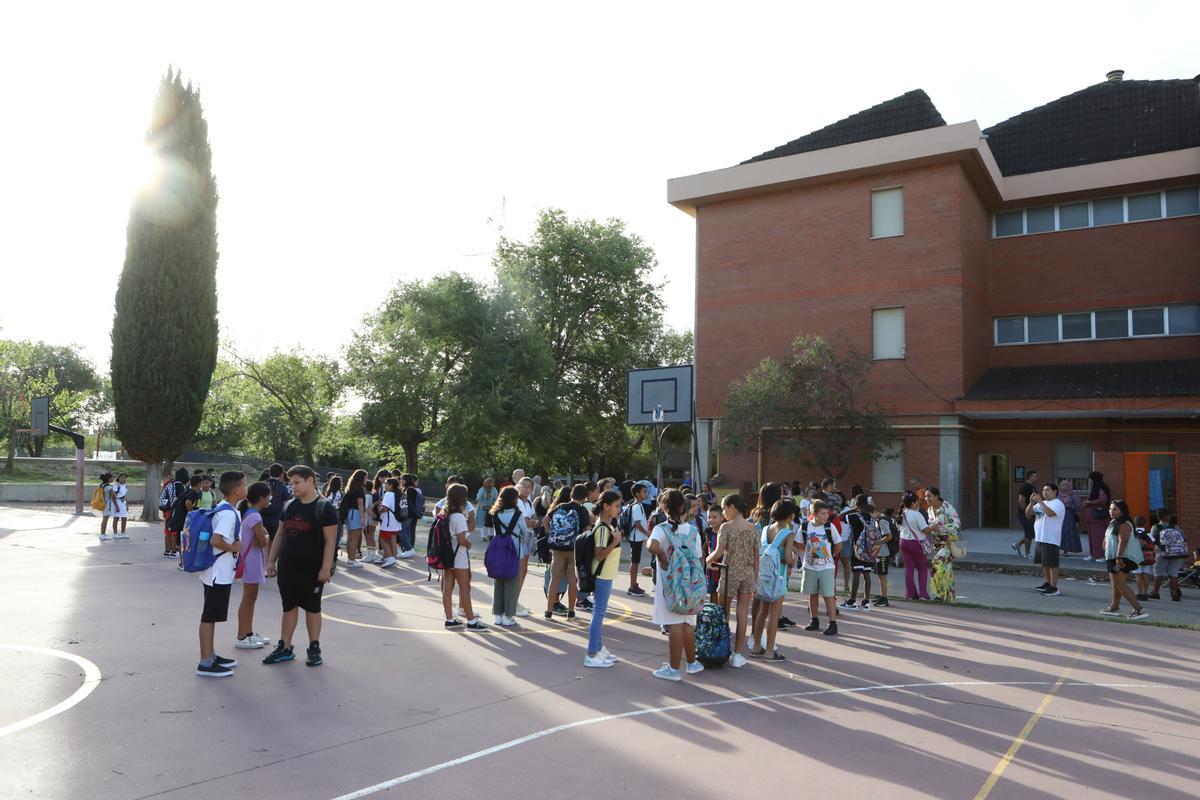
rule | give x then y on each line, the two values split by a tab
218	578
1048	513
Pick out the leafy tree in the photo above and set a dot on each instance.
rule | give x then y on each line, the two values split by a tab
808	409
225	426
164	336
36	369
298	391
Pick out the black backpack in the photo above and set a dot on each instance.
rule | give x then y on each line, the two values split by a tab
585	551
279	498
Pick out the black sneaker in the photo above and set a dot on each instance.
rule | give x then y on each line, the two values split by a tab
570	615
314	655
476	625
636	591
1051	592
831	629
1043	587
214	670
560	610
453	623
280	654
584	605
785	622
881	602
224	662
815	625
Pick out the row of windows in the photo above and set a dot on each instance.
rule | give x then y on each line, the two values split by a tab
1180	202
1116	323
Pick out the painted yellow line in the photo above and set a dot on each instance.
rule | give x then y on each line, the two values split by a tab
1008	757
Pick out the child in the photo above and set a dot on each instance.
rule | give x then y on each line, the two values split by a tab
889	536
185	505
1145	568
1171	546
302	557
715	518
776	544
507	521
460	575
675	531
637	535
370	519
206	493
822	548
737	544
251	566
218	579
391	513
106	483
120	506
854	522
865	553
605	566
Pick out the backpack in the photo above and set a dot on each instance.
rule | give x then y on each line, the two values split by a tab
563	528
279	498
98	498
585	552
166	498
418	512
625	520
867	544
441	549
500	560
772	575
684	584
322	502
1173	543
198	552
713	642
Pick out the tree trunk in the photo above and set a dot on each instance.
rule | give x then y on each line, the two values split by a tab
39	446
12	451
410	458
154	470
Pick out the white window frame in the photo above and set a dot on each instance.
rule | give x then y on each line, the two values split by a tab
878	190
903	334
1162	208
1164	309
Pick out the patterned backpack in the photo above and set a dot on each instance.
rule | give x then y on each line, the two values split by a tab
684	583
1173	542
772	574
713	646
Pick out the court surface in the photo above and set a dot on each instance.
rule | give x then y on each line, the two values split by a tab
99	700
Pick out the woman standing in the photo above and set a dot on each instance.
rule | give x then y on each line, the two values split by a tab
485	498
1070	530
1122	554
946	524
507	521
914	533
1096	510
353	510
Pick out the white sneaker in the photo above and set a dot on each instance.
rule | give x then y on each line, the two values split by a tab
120	535
249	643
104	537
694	668
354	565
388	562
508	622
607	655
596	662
737	661
522	611
498	619
262	638
410	553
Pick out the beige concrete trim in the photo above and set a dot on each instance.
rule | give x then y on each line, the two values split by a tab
1091	178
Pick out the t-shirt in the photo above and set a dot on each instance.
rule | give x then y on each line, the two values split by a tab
225	524
302	552
440	504
912	522
637	515
1046	528
612	563
179	511
525	506
389	518
350	500
458	524
818	547
206	499
1023	495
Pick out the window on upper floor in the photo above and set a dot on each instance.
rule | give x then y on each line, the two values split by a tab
1112	323
887	213
1178	202
887	325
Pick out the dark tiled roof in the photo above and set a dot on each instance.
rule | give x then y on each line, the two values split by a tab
1180	378
912	111
1105	122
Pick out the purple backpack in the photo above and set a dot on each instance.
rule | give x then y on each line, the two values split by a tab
501	560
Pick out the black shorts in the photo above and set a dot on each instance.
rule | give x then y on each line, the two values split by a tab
302	594
862	566
1118	566
635	552
1027	526
1047	555
216	603
882	564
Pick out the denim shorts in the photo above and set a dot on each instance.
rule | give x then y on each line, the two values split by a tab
353	520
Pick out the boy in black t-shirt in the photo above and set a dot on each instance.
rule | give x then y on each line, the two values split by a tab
302	558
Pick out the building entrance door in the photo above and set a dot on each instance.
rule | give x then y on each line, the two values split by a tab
1150	483
994	501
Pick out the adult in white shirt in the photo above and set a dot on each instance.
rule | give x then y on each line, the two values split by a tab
1048	513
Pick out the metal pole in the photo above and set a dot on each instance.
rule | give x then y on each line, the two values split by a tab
79	480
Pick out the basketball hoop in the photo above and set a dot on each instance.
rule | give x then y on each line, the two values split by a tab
659	414
24	436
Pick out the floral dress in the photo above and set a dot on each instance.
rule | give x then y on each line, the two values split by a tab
941	579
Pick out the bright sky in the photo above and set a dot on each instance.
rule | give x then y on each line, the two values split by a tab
355	144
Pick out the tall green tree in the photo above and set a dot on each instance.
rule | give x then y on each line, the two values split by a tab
164	336
808	408
298	391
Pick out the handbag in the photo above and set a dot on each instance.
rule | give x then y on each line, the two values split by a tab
1099	512
925	541
957	550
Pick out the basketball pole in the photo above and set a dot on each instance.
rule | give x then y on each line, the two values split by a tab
80	443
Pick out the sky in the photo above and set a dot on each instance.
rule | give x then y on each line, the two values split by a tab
357	144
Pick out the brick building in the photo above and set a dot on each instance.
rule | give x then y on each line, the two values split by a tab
1030	293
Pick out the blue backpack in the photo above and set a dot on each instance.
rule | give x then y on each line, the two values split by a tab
500	560
685	583
198	552
563	528
772	575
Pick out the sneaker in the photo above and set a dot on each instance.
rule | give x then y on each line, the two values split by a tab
1109	612
378	560
1043	587
1099	560
120	535
498	619
476	625
1051	592
694	668
814	625
508	622
1139	614
104	537
355	565
180	568
560	610
280	653
831	629
570	615
522	611
549	615
737	661
262	639
596	662
786	622
453	623
864	606
388	562
314	655
847	605
637	591
1016	548
408	553
667	674
1029	556
607	656
1142	596
1153	596
249	643
214	670
584	605
168	554
881	602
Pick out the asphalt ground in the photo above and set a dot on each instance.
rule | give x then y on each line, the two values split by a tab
99	700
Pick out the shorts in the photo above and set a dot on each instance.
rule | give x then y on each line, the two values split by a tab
562	565
1144	569
1165	567
635	552
462	558
1116	566
385	534
216	602
818	581
881	566
354	520
1047	555
862	566
1027	526
302	594
741	584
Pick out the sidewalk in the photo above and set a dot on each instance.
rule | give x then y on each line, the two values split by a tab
990	550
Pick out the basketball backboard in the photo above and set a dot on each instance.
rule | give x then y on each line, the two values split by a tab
661	395
39	416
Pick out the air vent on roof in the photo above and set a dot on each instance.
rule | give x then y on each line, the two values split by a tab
1115	75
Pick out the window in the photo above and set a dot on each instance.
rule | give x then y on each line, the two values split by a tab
1076	326
1074	215
1109	211
1181	202
1148	322
1010	223
1073	461
1145	206
1039	220
1010	330
887	213
1043	328
887	473
1184	319
1112	324
888	327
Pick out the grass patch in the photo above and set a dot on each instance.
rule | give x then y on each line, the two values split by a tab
24	472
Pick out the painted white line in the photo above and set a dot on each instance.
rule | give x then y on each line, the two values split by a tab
91	679
511	743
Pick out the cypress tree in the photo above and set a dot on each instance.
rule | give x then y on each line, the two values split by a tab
164	335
